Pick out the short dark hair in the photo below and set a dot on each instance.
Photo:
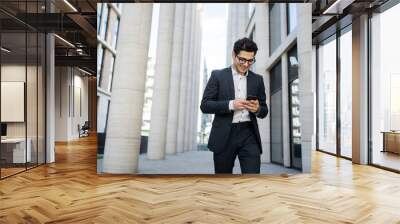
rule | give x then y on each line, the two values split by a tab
245	44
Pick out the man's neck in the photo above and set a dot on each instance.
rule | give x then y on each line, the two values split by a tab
236	70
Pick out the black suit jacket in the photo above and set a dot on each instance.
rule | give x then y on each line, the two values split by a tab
217	94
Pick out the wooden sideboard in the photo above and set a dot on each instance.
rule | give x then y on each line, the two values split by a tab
391	141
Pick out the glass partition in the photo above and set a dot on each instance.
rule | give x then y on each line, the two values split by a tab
14	153
22	78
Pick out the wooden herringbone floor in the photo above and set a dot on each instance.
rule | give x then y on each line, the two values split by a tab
70	191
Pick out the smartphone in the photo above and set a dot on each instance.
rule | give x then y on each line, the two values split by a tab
250	97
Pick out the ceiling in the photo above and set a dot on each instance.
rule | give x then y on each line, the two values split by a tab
74	22
330	15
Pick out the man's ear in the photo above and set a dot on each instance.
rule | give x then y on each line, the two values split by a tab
233	54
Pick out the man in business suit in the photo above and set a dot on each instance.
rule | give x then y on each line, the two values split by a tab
234	131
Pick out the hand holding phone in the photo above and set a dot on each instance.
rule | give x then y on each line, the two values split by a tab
250	97
252	103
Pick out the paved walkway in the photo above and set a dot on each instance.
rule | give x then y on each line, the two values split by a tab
196	162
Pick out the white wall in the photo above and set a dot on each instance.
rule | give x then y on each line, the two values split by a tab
12	73
33	126
71	94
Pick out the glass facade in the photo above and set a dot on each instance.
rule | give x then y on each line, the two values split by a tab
334	63
335	59
102	20
327	95
346	75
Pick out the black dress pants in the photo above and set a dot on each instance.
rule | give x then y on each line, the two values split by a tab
243	144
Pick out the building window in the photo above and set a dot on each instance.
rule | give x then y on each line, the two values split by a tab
111	73
102	113
112	27
115	34
100	52
99	13
291	17
274	26
105	77
103	23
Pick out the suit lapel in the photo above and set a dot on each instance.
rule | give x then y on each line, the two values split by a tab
229	75
250	84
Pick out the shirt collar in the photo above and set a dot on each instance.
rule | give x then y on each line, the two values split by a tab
234	72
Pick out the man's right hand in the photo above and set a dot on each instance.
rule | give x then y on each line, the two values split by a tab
239	104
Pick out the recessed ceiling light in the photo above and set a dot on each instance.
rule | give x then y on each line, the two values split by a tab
70	5
5	50
337	7
65	41
86	72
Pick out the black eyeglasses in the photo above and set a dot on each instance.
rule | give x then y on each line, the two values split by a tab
242	61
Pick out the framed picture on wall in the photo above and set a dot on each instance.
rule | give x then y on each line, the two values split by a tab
12	101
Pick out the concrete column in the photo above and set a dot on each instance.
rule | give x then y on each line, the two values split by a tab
184	78
195	107
197	79
238	15
189	83
285	92
173	106
261	37
122	144
159	110
304	48
228	59
360	90
242	19
190	104
314	88
189	89
50	99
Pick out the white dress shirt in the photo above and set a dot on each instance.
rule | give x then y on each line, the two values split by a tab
240	85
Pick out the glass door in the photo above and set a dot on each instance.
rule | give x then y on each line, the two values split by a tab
276	114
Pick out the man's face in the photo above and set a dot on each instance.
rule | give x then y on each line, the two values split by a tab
243	61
